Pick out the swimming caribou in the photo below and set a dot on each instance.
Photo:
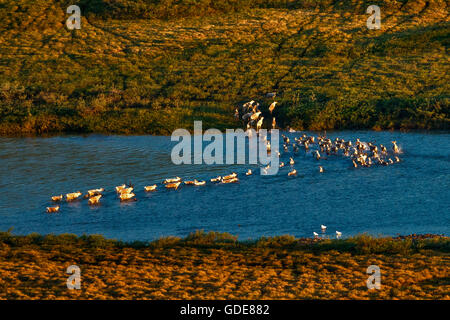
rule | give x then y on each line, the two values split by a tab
361	154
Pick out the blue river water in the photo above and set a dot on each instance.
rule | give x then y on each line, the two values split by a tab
412	196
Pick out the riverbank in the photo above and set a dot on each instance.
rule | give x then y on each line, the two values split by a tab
150	67
217	266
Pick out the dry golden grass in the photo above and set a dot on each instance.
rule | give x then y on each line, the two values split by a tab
179	269
140	74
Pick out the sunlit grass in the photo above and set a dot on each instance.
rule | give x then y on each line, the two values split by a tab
148	67
217	266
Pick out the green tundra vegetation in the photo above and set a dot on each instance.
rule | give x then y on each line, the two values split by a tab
151	66
217	266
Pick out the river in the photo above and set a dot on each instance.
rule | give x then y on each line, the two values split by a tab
412	196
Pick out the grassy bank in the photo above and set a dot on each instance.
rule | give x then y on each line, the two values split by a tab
217	266
142	66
